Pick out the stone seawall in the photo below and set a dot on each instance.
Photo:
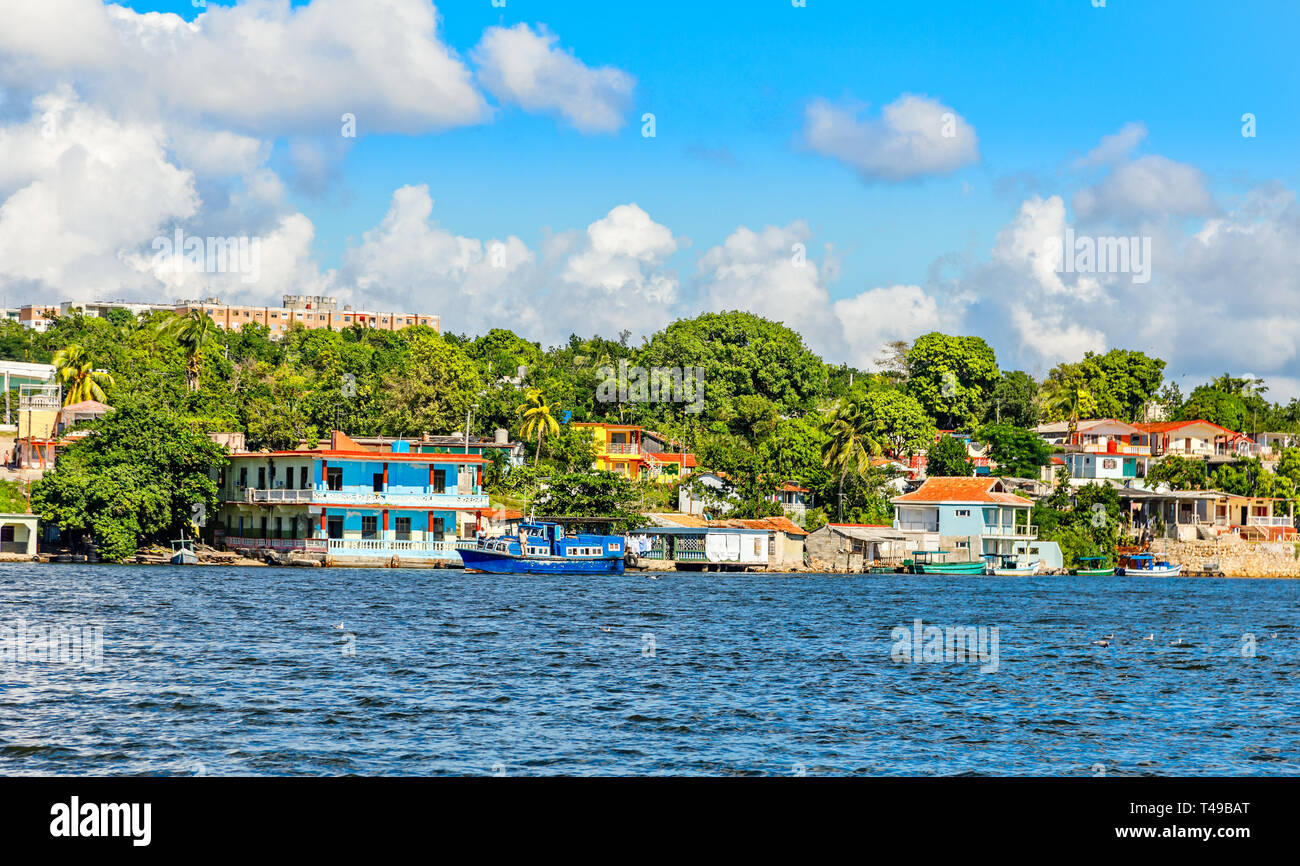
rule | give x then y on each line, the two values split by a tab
1236	558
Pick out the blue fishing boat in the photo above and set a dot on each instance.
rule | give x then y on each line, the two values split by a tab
545	548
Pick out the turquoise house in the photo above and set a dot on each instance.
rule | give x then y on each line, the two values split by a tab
968	517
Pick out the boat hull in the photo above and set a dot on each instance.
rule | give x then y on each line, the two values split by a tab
1167	571
950	568
1095	572
495	562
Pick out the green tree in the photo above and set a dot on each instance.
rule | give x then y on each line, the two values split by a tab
952	377
1179	473
431	386
948	458
1018	453
133	481
849	446
537	419
81	381
1014	400
597	493
196	334
897	420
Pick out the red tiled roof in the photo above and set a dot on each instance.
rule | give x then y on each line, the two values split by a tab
783	524
687	461
1166	426
946	489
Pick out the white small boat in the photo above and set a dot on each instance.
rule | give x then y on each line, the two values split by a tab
1146	565
183	552
1015	566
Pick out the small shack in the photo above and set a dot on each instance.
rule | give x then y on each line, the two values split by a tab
854	547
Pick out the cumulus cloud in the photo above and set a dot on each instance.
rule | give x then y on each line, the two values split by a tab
1114	147
526	67
770	273
914	136
1147	186
882	315
260	67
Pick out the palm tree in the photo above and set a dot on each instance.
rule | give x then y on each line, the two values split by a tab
537	419
81	381
196	333
850	446
1068	398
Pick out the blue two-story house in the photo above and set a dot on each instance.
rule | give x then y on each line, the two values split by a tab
358	506
968	517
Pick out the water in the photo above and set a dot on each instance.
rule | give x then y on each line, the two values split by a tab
241	671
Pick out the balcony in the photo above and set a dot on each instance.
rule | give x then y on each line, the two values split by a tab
1256	520
623	448
253	494
1118	448
1010	530
917	525
449	501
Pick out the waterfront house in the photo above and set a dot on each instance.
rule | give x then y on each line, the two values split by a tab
1187	515
968	517
691	542
359	507
853	547
18	534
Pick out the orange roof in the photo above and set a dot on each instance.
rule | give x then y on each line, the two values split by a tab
945	489
783	524
794	488
1166	426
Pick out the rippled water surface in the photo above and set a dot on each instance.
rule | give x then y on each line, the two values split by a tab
243	671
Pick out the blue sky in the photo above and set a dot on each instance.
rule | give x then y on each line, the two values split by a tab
1039	85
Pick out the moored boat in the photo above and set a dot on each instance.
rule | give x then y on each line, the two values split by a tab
1013	565
1146	565
936	562
545	548
183	552
1093	566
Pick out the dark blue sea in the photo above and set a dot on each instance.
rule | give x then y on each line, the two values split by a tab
226	671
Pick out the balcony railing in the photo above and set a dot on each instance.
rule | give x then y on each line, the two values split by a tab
1017	530
382	545
1256	520
268	543
1120	448
917	525
254	494
622	448
431	500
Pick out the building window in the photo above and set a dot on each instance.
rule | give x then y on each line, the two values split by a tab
440	481
261	477
369	526
962	512
243	476
403	529
963	545
302	478
438	529
335	527
334	478
378	481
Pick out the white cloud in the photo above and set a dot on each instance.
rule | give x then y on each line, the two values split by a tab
1114	147
1150	185
261	67
884	314
771	274
524	67
915	136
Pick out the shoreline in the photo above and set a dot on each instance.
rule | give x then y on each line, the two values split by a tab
20	559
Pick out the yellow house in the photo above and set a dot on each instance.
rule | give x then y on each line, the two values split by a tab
618	447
